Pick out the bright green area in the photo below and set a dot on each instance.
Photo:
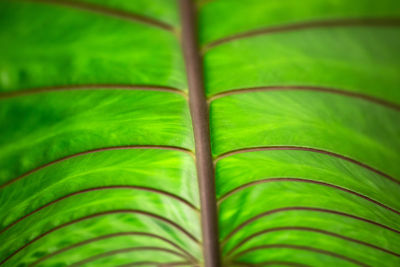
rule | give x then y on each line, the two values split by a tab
75	209
58	124
294	255
234	171
278	194
354	128
357	59
121	205
139	256
169	171
100	201
119	244
222	18
51	45
345	226
161	10
312	239
100	226
240	207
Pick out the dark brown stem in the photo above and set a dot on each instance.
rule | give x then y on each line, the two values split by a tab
199	111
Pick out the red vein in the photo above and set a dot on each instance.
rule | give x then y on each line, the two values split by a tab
117	13
305	248
99	238
125	250
312	209
173	148
349	22
157	191
368	98
152	215
308	229
81	87
299	180
299	148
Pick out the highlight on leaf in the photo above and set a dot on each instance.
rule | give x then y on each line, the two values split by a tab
199	133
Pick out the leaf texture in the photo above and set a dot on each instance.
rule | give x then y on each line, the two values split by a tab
305	130
97	150
96	144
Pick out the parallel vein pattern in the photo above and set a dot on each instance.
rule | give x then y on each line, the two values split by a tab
96	148
305	126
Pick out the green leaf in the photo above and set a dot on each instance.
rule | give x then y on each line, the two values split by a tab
83	47
104	151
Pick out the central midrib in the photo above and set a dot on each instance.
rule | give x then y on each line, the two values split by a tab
200	120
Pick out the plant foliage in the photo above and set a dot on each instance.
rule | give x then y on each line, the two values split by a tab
97	149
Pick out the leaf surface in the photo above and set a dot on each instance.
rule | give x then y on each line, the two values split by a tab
102	164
